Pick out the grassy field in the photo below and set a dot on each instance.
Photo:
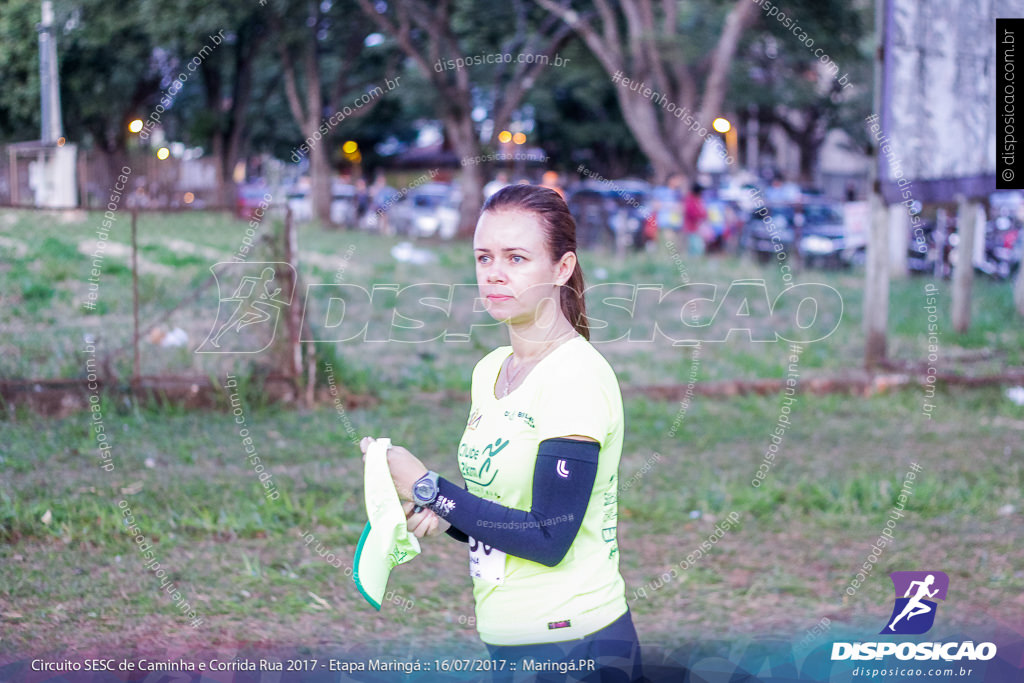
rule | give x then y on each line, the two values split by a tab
45	270
70	577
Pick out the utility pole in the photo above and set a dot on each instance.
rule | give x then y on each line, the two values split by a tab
876	277
56	162
49	85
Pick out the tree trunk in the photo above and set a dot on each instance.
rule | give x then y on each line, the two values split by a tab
472	199
434	22
666	137
462	134
219	169
232	149
643	123
808	145
228	188
320	182
307	116
236	120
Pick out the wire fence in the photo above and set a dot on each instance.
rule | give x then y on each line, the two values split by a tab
154	314
174	183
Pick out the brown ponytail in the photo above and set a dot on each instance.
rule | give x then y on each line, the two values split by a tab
560	233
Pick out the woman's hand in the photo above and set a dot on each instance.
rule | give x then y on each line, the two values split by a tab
424	522
405	467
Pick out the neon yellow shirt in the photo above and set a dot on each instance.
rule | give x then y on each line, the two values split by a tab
571	391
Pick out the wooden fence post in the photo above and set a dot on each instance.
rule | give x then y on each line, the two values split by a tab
136	361
294	351
963	269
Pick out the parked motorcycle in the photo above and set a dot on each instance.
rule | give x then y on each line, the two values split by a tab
931	250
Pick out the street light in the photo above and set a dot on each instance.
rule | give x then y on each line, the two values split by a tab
135	126
504	136
723	126
351	151
519	138
163	153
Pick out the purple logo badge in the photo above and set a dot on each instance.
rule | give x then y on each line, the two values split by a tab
916	594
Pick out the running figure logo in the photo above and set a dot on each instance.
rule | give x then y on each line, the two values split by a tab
914	612
253	310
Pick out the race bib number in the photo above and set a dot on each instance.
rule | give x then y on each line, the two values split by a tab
486	563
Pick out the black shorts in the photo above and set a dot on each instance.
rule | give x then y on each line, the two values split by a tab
609	655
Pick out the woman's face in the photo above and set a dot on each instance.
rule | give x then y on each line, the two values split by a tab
514	271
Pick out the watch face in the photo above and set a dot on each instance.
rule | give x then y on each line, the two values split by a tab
424	490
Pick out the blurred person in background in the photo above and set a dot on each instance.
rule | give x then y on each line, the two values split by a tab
551	181
694	216
668	202
381	199
500	181
362	200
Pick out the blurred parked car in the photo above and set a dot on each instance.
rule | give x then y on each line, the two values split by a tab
821	228
613	213
300	203
344	205
591	211
740	194
248	198
429	210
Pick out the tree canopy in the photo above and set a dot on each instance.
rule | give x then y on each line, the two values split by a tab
283	68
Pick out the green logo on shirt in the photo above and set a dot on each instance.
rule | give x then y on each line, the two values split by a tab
525	417
476	472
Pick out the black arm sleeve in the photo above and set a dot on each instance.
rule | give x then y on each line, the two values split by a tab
563	480
456	534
